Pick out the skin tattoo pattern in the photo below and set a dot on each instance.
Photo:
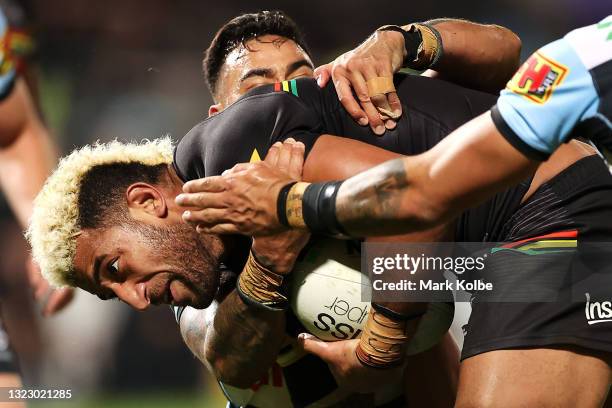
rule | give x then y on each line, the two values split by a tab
361	200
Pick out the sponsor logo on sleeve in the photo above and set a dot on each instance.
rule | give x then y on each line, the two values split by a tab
537	78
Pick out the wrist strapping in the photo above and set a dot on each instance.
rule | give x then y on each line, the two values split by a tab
311	206
430	50
318	205
293	205
412	41
260	287
281	203
384	339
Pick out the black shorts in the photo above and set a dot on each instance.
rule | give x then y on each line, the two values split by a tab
572	209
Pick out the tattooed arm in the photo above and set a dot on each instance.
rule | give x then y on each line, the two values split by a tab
238	342
418	192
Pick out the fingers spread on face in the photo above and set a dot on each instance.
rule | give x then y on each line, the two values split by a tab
207	184
202	200
219	229
206	217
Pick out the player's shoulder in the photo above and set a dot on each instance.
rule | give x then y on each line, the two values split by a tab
562	86
187	158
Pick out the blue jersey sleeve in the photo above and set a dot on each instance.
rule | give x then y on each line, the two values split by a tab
555	90
551	93
7	68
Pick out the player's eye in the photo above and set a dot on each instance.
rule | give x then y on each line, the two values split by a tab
304	72
113	269
255	83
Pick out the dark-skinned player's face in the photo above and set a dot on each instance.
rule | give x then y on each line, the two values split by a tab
264	60
152	258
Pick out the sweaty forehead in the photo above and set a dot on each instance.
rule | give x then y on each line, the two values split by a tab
266	50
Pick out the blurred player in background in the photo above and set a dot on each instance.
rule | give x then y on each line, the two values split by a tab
27	154
19	49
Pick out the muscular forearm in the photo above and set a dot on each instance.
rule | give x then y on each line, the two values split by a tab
26	152
239	342
24	166
242	342
476	55
419	192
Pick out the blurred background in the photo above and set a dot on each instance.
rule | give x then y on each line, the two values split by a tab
132	70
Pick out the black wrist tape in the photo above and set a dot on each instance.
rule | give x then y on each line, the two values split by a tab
319	208
440	52
412	41
281	204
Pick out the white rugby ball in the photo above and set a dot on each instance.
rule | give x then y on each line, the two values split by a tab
330	297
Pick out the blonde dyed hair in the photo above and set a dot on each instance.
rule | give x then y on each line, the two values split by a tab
54	226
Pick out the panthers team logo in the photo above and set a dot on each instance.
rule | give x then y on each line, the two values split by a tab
537	78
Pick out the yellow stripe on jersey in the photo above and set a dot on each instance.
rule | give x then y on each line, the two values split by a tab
559	243
255	157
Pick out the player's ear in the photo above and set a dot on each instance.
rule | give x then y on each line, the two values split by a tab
214	109
143	198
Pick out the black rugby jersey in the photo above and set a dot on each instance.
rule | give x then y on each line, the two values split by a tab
300	109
